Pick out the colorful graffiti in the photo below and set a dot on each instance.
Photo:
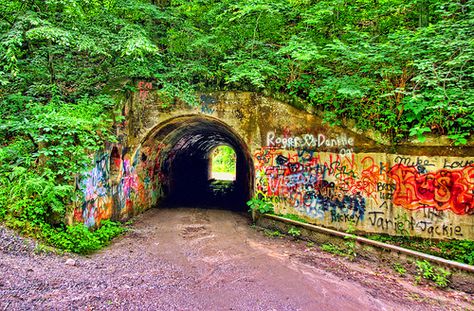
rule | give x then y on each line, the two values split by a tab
98	203
119	185
311	185
128	185
441	190
376	191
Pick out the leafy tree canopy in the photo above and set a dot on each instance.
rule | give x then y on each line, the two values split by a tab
403	67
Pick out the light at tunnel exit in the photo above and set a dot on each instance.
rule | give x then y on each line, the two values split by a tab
223	163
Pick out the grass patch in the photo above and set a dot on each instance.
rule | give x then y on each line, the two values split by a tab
456	250
272	233
333	249
76	238
292	217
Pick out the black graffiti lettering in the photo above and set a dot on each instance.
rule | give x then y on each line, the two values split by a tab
388	223
384	205
385	196
423	225
445	230
412	223
336	217
385	187
281	160
419	163
380	223
402	225
432	213
448	230
383	169
458	164
376	216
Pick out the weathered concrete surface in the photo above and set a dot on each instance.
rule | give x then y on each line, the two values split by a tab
330	176
195	259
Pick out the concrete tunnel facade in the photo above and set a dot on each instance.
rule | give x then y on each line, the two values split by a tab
330	176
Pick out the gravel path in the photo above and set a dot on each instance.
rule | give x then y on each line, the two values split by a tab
196	259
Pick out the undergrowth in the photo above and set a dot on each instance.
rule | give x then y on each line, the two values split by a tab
47	147
427	271
75	238
457	250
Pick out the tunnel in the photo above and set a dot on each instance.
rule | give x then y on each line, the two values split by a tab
178	154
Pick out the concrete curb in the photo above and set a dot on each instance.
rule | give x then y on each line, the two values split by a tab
409	252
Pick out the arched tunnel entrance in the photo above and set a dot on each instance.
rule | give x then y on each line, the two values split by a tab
179	151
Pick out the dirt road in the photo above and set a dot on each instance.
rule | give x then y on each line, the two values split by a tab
195	259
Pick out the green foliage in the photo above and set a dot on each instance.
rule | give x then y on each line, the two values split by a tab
401	67
293	217
294	232
272	234
333	249
56	58
351	240
436	274
223	160
46	146
349	248
348	251
28	196
458	250
262	205
80	239
399	269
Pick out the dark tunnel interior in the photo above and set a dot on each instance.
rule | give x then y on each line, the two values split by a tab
185	164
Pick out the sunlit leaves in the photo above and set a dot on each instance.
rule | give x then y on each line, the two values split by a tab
136	44
52	34
250	71
303	50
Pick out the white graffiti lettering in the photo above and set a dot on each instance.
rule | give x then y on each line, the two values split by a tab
309	141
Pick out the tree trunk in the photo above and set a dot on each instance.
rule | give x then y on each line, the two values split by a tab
423	13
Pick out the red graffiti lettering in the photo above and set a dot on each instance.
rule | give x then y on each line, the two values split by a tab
441	190
144	88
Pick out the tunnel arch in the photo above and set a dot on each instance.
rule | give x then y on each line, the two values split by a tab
176	154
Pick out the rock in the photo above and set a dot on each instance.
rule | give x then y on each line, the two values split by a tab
70	262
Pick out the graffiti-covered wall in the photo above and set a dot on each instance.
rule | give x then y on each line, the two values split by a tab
119	186
122	183
329	175
378	193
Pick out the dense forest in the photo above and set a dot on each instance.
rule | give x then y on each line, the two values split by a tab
401	67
